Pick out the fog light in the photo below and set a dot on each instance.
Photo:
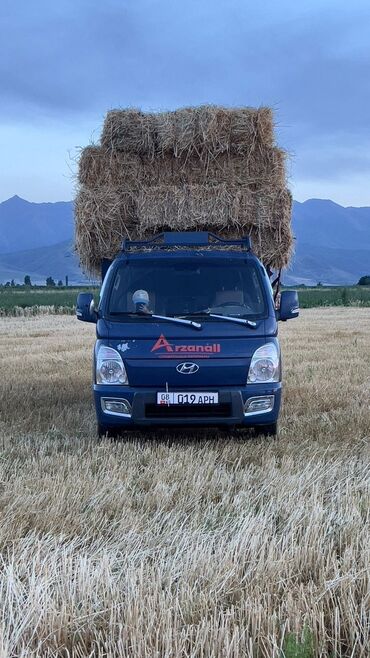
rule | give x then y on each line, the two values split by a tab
116	407
259	405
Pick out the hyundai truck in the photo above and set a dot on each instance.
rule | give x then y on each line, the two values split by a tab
187	335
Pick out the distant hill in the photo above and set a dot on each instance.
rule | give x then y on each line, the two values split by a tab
332	242
327	224
57	261
312	264
25	225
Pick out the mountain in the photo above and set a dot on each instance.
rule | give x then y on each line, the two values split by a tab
312	264
56	260
25	225
320	222
332	242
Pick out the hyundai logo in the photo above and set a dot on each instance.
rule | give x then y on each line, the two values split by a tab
187	368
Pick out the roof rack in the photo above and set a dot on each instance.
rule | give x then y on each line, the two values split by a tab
168	240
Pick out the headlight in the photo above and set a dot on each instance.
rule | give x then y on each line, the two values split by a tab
265	365
109	367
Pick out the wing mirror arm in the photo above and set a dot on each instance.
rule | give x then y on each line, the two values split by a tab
93	311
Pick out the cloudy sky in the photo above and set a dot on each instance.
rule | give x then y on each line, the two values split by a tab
64	63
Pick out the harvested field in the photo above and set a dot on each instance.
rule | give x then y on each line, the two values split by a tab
185	545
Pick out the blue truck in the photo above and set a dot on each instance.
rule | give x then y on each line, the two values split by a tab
187	335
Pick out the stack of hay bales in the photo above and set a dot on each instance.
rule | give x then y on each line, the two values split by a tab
203	168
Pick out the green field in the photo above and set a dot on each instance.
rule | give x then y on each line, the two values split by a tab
35	300
55	300
334	296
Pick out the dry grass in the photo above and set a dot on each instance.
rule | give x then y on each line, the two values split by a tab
195	546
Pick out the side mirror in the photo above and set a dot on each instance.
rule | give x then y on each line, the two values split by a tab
85	309
289	305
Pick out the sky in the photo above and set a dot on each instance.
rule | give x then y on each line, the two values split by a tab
64	64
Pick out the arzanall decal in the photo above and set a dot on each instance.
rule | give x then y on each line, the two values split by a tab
170	350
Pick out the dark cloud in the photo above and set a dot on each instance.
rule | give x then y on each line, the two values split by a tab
310	61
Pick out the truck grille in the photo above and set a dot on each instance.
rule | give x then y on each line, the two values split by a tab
222	410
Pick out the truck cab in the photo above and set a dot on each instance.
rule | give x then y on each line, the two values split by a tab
187	335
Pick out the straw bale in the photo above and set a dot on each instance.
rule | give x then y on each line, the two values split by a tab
103	218
209	129
204	168
129	171
202	130
229	212
222	206
130	130
263	168
101	168
91	166
189	207
274	246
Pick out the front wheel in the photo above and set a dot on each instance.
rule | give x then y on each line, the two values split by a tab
267	430
108	432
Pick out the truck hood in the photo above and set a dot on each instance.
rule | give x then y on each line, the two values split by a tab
210	329
222	351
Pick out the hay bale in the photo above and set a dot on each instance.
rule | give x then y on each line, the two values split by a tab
214	130
103	218
202	130
263	168
91	166
98	167
222	206
273	246
130	130
231	212
274	209
189	207
204	168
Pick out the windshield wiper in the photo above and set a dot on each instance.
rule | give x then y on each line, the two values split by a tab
230	318
188	323
249	323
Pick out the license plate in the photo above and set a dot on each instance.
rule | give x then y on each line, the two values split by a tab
187	398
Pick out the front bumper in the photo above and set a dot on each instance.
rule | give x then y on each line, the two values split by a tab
146	413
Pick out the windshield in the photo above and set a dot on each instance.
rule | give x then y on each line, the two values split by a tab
185	287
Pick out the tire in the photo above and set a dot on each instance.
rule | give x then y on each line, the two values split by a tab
108	432
267	430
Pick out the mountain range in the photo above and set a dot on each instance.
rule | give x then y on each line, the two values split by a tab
332	242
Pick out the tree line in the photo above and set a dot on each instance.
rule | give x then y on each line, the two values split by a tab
49	282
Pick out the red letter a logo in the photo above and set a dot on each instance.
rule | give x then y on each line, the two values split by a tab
162	342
